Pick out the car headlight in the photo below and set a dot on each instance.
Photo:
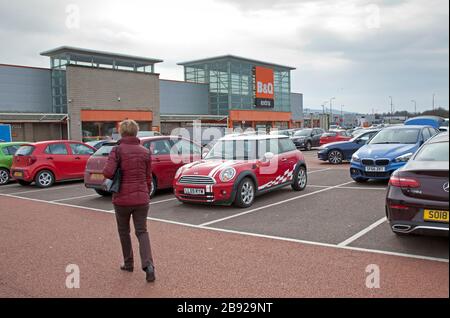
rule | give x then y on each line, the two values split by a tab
404	158
355	158
227	174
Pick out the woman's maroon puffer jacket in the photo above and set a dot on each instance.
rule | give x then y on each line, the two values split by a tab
136	168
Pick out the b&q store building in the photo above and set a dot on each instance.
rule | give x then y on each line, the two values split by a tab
86	93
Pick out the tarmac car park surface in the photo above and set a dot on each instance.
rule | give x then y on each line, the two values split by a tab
335	222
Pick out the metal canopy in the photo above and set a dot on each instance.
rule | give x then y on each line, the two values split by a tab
99	57
234	57
32	117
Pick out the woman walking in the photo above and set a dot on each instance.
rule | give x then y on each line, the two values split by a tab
133	199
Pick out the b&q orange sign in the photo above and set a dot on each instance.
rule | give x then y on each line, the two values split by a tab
264	87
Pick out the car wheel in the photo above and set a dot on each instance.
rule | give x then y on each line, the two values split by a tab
361	180
44	179
245	195
308	146
24	183
153	187
103	193
335	157
4	176
300	179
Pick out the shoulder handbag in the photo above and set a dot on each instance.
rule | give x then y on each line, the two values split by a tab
113	185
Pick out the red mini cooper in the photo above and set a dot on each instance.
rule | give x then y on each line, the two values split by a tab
240	167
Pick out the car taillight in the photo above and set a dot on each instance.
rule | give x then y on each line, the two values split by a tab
31	160
399	207
400	182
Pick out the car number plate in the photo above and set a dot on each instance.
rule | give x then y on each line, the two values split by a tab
18	174
97	176
375	169
436	216
192	191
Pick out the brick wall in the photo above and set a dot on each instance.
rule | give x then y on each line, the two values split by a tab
90	88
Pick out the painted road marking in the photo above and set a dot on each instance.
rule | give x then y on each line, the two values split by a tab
46	189
321	170
279	238
74	198
363	232
272	205
162	201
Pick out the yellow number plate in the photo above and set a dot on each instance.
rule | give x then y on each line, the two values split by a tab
18	174
436	216
97	176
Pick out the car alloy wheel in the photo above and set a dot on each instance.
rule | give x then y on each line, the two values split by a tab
152	188
335	157
247	193
45	179
302	178
4	176
308	146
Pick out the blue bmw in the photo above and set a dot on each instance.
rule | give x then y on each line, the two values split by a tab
388	151
337	152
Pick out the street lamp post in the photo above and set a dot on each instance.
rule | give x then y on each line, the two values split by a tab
392	110
342	114
415	106
331	108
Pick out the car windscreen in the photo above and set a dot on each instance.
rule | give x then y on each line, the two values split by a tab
104	150
25	151
396	136
433	152
303	133
234	150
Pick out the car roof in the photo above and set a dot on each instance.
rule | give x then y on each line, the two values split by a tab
253	137
442	137
408	127
12	143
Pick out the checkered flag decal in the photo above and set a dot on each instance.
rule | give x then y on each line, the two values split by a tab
288	175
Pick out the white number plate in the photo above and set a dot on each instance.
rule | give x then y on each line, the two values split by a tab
375	169
194	191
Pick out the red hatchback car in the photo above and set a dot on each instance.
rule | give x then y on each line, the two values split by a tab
334	136
239	168
50	161
168	154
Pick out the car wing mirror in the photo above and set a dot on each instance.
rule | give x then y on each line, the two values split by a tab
268	156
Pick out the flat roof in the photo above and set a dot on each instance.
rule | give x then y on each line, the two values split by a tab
235	57
101	57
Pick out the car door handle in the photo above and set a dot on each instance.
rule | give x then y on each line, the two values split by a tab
49	158
77	158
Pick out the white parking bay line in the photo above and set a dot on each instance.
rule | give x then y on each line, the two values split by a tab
162	201
362	233
74	198
272	205
321	170
46	189
278	238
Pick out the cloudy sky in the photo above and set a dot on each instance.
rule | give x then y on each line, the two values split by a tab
359	51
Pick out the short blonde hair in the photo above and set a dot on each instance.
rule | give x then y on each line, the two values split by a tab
128	128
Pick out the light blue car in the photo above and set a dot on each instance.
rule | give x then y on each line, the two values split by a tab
388	151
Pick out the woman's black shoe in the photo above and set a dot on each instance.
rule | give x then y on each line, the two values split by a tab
149	274
126	268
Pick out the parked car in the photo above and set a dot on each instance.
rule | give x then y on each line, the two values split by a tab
307	138
284	132
334	136
417	199
97	144
388	151
48	162
337	152
433	121
239	168
7	151
168	154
